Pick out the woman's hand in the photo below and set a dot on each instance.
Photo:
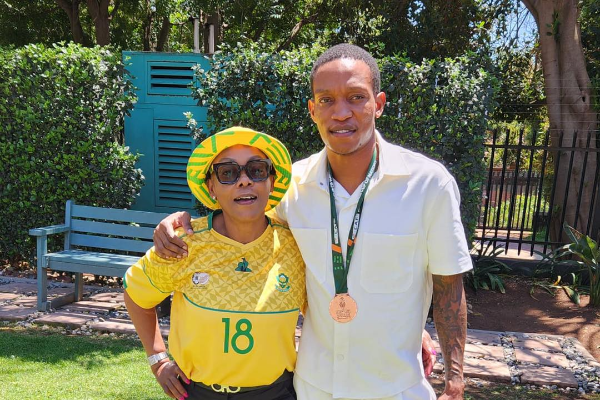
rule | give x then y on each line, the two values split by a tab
167	374
428	352
166	243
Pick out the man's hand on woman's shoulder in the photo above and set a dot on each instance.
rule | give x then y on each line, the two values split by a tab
166	242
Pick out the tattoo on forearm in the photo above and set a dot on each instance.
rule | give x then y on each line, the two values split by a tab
450	315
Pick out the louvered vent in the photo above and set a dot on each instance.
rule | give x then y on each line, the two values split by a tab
170	79
174	147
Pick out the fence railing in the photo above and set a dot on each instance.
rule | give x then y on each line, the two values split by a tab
523	195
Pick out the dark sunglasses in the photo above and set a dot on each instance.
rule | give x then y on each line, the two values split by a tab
229	173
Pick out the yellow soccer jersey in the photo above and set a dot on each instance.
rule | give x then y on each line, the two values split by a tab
235	306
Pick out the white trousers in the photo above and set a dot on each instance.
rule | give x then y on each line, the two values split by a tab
420	391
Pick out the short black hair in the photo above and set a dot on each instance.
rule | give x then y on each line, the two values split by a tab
347	50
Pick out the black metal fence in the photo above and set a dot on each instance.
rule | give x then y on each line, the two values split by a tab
522	196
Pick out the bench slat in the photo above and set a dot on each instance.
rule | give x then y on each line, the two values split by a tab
102	242
90	262
115	214
79	225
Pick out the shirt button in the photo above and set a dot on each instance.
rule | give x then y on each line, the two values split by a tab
340	357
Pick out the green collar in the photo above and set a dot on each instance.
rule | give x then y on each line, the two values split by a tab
217	212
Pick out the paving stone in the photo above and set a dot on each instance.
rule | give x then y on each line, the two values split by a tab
489	370
541	357
15	313
89	306
438	368
8	296
116	325
65	318
481	351
538	344
26	302
485	337
19	287
108	297
540	375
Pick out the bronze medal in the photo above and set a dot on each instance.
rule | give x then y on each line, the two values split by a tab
343	308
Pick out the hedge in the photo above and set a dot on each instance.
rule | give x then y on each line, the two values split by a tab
61	114
437	107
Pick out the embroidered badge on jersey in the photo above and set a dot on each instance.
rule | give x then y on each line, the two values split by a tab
243	266
282	283
200	278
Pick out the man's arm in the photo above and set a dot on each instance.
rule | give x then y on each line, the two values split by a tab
166	243
450	316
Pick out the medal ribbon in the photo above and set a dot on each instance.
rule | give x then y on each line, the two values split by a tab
340	270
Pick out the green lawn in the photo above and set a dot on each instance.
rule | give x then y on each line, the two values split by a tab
36	365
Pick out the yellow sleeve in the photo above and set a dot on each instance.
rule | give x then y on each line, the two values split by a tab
151	279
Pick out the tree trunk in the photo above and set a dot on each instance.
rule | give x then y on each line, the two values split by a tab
72	10
163	36
98	10
569	99
147	28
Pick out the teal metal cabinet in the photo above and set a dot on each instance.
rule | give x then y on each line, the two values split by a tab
157	128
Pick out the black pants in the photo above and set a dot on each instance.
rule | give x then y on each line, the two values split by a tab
280	390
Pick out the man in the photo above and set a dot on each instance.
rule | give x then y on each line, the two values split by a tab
368	295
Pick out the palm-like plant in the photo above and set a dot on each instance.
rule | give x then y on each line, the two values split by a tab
486	270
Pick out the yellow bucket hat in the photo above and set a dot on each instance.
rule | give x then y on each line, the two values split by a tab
203	156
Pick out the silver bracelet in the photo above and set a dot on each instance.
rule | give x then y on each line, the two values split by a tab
154	358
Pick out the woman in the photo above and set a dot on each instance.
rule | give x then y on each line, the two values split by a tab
237	295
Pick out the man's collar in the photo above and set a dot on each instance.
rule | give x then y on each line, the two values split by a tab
391	162
316	168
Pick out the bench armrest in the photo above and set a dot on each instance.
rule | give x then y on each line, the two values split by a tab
48	230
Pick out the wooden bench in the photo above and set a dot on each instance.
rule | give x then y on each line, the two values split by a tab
88	231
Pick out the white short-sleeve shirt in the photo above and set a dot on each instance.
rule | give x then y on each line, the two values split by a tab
410	230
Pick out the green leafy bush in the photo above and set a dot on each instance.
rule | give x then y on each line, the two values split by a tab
267	92
436	107
440	108
61	114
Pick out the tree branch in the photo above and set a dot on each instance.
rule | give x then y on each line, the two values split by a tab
532	7
296	29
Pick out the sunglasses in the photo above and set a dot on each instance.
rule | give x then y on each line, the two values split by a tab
229	173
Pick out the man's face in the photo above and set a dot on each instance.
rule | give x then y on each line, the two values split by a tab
344	106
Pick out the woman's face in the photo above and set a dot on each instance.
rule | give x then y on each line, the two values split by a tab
245	200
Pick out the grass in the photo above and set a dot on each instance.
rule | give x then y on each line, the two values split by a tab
36	364
39	365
